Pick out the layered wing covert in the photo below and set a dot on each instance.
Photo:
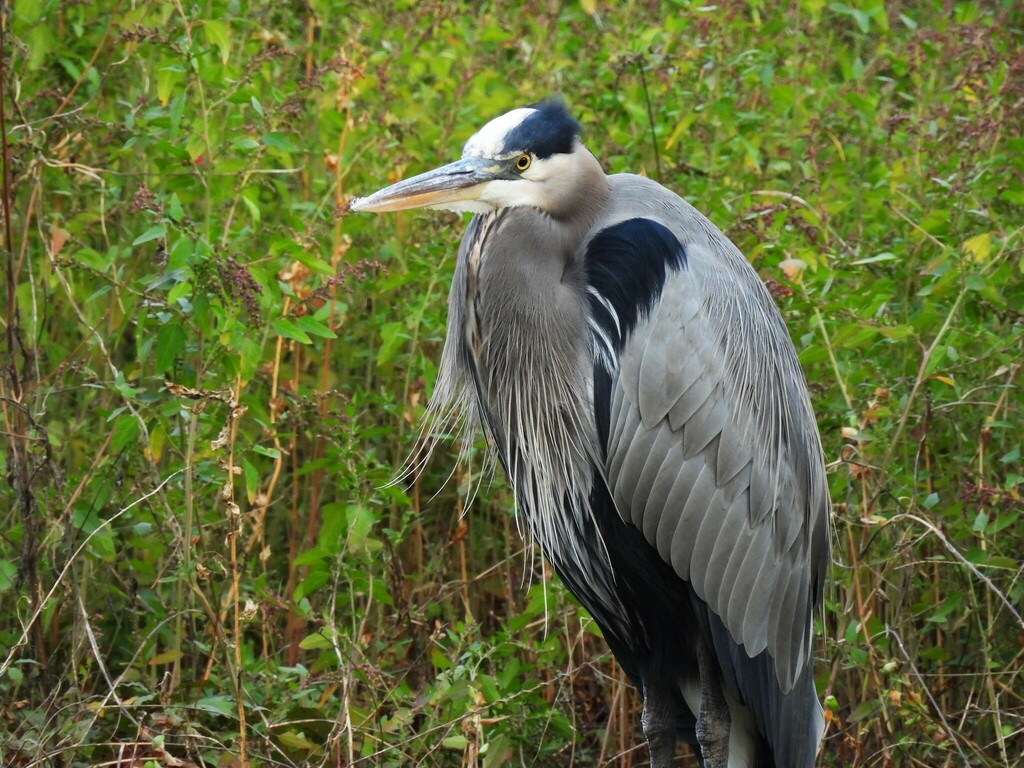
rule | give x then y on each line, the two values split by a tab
711	448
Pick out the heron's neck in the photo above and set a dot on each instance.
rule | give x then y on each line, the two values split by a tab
579	196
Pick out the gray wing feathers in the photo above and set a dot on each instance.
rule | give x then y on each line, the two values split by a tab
684	480
706	412
660	376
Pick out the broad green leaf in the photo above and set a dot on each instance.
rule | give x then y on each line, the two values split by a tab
314	642
40	43
126	431
296	740
218	705
252	480
153	233
316	579
8	575
315	327
896	331
280	142
176	111
217	34
286	327
251	205
175	211
167	657
393	336
170	342
167	78
457	742
360	523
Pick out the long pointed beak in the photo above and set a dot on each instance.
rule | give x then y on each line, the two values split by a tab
458	181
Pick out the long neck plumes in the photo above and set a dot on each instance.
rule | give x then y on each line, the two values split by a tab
517	361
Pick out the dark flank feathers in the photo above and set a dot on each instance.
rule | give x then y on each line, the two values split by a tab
550	130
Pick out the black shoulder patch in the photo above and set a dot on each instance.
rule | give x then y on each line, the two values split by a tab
551	130
626	266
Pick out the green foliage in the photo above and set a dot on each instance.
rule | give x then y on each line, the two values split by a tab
212	370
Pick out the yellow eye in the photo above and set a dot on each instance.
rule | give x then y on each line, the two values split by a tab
523	163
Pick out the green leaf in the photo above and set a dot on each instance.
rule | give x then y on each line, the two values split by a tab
39	43
167	657
287	328
152	233
393	336
457	743
312	556
252	480
360	522
217	34
864	710
251	205
123	388
296	740
174	209
875	259
176	111
8	574
170	342
315	642
126	431
218	705
333	528
245	144
167	78
280	141
315	327
896	331
311	583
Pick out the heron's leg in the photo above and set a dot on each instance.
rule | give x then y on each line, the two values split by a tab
714	719
659	722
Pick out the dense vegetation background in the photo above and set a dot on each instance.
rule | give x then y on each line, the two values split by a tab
211	370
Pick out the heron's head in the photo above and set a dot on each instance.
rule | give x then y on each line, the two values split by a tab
527	157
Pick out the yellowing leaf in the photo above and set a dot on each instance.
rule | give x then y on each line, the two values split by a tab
316	641
979	246
166	80
296	740
167	657
681	127
217	34
157	440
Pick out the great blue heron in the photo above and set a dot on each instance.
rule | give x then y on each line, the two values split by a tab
640	389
